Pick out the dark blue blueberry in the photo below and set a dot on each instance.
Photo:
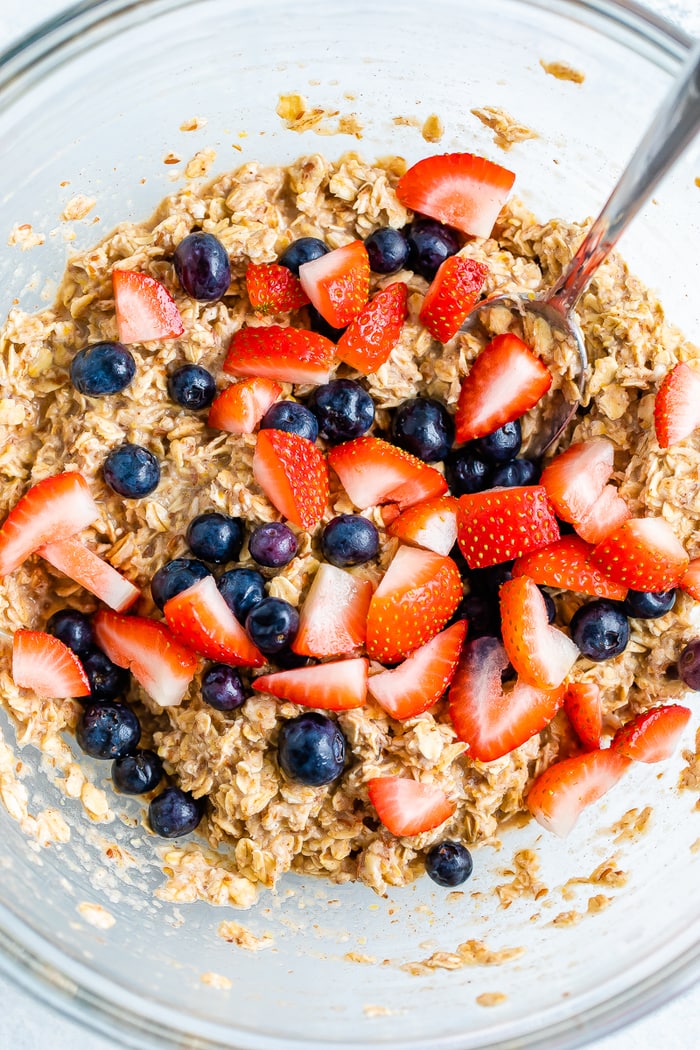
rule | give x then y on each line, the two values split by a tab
449	863
423	427
302	251
343	408
501	445
272	625
131	471
311	749
549	605
288	660
387	249
429	244
138	773
73	628
648	605
689	665
107	680
107	730
517	472
600	629
272	544
292	417
242	590
222	687
320	325
466	472
215	537
174	813
488	581
103	368
175	576
481	613
202	267
192	387
349	539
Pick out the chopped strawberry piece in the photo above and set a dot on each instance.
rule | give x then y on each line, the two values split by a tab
44	664
289	355
239	408
560	794
200	617
452	294
690	580
565	564
652	736
490	721
582	704
525	519
91	571
144	307
576	483
273	289
416	597
609	511
677	406
541	654
339	685
51	510
337	283
373	471
506	380
423	677
431	524
333	618
458	189
408	807
159	663
643	554
370	337
292	473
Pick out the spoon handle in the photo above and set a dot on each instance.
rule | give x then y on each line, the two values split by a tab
674	125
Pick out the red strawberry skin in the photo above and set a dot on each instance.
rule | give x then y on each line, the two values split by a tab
677	406
373	471
370	337
451	295
583	706
408	807
44	664
92	572
501	524
337	283
273	289
565	564
287	355
200	618
338	685
144	307
653	735
292	473
560	794
643	554
690	580
423	677
239	408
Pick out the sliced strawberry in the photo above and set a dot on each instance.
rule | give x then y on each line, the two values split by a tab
91	571
416	597
505	380
653	735
333	618
576	483
157	660
525	522
51	510
337	283
144	307
459	189
541	654
335	686
273	289
582	704
419	682
690	580
490	721
454	291
373	471
292	473
239	408
289	355
44	664
431	524
408	807
677	406
560	794
609	511
370	337
200	618
565	564
643	554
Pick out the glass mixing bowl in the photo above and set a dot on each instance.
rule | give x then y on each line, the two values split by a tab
93	103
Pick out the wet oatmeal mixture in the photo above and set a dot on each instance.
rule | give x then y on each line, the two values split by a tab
264	815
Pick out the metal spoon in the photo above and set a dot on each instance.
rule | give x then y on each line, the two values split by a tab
675	124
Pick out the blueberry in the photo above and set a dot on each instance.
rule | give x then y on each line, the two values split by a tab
222	688
107	730
174	813
423	427
481	613
73	628
349	539
242	590
288	660
320	325
600	629
272	625
138	773
215	537
131	471
466	472
202	267
343	408
429	244
689	665
449	863
103	368
292	417
175	576
517	472
107	680
488	581
549	605
387	249
272	544
502	445
311	749
192	387
648	605
302	251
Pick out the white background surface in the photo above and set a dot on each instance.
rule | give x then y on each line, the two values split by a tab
28	1025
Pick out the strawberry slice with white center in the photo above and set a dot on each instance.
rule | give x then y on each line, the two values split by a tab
339	685
677	406
200	617
409	807
44	664
418	594
287	355
505	381
370	337
337	283
239	408
609	511
583	705
51	510
333	618
490	721
643	554
92	572
576	483
690	580
292	473
541	654
160	664
431	524
525	520
652	736
373	471
458	189
423	677
144	307
452	294
560	794
565	564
